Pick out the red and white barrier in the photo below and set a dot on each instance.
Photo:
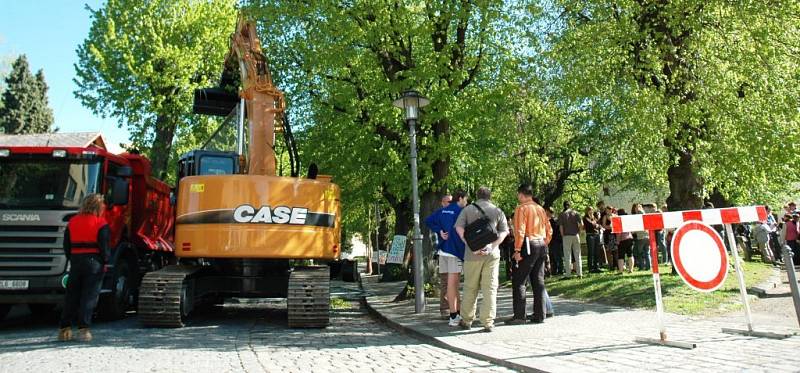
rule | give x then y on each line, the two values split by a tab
674	219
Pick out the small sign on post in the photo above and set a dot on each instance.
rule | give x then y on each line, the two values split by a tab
699	256
398	250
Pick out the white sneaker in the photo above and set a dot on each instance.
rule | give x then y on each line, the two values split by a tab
454	320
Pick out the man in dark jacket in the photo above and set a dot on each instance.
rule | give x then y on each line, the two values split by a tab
555	247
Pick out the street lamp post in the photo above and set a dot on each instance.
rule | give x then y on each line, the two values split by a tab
410	103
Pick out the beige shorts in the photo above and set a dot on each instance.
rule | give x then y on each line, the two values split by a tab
449	264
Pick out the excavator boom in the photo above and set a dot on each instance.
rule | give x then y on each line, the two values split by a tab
264	101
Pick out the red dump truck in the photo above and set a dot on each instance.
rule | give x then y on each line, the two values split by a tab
43	179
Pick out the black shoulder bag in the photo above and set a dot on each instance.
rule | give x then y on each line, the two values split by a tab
480	232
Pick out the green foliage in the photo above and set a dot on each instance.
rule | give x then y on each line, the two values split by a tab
142	61
5	66
342	65
695	88
25	108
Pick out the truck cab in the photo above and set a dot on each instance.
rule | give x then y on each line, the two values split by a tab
45	178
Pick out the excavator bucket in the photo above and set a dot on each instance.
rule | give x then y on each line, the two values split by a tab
214	101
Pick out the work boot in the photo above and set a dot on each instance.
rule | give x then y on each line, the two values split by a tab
84	335
65	334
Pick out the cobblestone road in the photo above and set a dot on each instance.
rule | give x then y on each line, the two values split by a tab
233	338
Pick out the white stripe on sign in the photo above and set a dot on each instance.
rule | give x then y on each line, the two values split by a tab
673	218
748	213
711	217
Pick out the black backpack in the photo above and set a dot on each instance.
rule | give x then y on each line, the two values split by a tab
480	232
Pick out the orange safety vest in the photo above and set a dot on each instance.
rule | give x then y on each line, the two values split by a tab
83	229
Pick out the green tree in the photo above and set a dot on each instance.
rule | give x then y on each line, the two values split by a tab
342	65
142	61
5	63
25	108
697	95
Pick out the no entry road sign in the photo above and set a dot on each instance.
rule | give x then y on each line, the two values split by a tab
699	256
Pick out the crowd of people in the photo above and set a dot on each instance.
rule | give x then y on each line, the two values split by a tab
771	235
536	242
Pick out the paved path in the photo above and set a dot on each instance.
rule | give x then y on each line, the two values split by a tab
586	337
249	337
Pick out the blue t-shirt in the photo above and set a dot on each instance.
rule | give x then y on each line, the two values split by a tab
444	219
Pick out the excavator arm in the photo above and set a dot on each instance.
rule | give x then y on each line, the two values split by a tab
264	101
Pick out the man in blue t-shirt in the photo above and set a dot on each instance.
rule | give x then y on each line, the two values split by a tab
451	249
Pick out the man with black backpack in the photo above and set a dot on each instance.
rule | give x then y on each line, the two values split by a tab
482	226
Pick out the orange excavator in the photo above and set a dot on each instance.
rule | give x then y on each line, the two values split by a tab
241	231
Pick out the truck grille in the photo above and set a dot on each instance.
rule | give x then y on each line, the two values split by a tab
31	250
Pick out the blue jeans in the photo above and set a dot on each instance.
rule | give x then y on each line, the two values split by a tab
547	303
592	246
556	253
642	253
661	242
83	289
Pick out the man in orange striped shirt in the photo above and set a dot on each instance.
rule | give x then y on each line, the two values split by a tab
532	233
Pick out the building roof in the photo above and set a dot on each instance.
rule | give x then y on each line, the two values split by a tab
66	140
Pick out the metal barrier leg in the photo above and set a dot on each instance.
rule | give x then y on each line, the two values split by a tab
743	291
788	260
662	341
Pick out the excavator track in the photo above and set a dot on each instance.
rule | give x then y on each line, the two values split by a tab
308	300
161	294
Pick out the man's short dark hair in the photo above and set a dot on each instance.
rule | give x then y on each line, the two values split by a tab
459	194
525	189
484	193
567	205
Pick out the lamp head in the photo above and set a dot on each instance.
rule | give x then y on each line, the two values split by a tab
411	101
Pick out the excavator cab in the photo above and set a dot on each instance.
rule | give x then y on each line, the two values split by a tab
208	162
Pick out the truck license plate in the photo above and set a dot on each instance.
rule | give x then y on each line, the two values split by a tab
13	284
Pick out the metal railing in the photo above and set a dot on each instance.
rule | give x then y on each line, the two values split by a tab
795	288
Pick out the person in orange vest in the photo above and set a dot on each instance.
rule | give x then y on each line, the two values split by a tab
86	242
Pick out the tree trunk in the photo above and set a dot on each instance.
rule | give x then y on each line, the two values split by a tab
685	186
162	146
718	199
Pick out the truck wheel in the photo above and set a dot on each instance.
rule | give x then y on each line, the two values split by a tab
4	309
114	305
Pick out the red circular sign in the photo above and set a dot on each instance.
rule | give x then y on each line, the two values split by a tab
699	256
